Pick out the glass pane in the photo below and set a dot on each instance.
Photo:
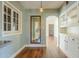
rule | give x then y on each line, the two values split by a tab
4	18
4	26
14	14
9	19
17	18
9	27
14	20
16	27
4	8
9	11
14	24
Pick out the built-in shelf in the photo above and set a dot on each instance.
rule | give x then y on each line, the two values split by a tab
70	16
63	30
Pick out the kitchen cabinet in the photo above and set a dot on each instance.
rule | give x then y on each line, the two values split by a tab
69	32
72	16
77	46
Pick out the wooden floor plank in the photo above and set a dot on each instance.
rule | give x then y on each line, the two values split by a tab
31	53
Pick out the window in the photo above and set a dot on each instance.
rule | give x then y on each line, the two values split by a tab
7	18
15	21
12	19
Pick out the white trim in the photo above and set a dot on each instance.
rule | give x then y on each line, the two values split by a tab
30	45
2	18
12	5
35	45
18	51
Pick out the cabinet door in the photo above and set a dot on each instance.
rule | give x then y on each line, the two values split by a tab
63	21
61	41
66	43
72	16
77	46
77	50
72	46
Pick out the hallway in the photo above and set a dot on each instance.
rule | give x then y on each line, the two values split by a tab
39	29
51	51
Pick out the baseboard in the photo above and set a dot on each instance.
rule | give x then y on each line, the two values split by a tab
35	45
18	51
30	45
64	53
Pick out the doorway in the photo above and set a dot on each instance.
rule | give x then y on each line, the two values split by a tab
52	29
52	41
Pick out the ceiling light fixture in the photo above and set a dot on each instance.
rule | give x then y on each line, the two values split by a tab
41	9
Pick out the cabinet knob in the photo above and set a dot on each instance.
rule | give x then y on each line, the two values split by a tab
66	41
6	42
73	39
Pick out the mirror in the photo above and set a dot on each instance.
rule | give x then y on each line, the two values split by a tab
35	29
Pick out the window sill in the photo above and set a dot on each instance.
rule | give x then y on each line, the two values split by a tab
5	34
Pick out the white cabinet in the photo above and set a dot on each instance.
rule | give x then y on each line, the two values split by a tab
63	22
63	42
77	46
66	43
72	46
72	15
69	37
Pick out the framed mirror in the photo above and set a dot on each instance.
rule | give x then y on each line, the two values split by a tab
35	29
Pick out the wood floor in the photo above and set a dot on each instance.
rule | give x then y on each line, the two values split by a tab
50	51
32	52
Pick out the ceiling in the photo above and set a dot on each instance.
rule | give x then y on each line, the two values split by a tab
45	4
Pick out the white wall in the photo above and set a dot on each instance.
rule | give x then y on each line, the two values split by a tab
56	29
49	20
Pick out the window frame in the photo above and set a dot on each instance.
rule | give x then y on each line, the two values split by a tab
13	8
6	16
